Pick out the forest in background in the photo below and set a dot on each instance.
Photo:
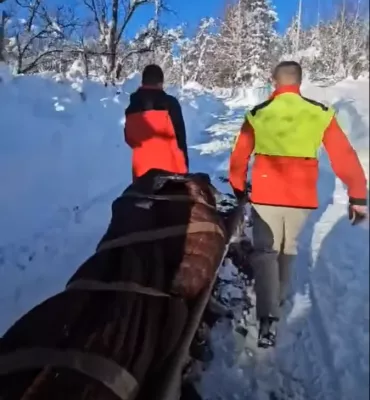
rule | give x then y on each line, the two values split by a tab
237	49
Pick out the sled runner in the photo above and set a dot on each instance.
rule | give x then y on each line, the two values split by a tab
122	328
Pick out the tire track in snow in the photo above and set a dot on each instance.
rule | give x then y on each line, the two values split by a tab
306	356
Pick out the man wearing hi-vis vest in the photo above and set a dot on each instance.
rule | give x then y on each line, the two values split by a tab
285	133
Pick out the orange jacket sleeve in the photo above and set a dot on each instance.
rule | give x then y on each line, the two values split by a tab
243	149
345	163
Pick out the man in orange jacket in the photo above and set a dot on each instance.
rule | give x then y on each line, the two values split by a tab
155	128
285	134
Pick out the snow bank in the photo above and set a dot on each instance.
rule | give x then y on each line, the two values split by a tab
339	260
247	97
56	150
5	74
59	157
62	162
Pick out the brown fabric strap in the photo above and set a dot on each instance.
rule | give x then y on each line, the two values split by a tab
106	371
161	233
91	285
172	197
169	197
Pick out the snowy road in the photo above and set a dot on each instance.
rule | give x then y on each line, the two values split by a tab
62	170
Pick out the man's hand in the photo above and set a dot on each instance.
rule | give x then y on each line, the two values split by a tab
357	214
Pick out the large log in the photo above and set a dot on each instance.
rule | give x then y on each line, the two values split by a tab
112	333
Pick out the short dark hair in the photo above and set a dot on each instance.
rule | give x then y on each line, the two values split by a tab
152	75
292	67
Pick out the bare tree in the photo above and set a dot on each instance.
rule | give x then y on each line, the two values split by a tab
2	28
40	35
112	18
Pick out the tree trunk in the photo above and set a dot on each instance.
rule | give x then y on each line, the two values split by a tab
2	28
85	58
297	45
112	43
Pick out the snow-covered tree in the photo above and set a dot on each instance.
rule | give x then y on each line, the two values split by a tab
336	47
163	54
39	36
289	38
233	45
199	51
2	32
111	19
240	48
246	41
262	18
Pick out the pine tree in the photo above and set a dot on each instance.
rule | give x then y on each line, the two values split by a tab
247	41
199	51
262	18
233	44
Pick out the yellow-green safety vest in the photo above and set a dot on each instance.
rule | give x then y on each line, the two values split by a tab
289	126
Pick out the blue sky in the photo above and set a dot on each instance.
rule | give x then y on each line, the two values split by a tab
191	11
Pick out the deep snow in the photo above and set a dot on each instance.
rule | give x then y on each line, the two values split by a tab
63	161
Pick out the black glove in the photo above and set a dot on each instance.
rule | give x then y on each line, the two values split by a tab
356	214
239	194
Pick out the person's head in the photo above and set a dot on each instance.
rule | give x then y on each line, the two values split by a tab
153	76
287	73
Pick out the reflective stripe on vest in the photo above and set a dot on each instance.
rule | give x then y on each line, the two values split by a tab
290	126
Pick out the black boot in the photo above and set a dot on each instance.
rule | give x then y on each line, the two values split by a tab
201	348
267	332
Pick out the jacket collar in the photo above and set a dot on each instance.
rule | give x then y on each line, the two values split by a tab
286	89
150	87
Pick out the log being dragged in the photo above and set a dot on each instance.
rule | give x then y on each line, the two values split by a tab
121	317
